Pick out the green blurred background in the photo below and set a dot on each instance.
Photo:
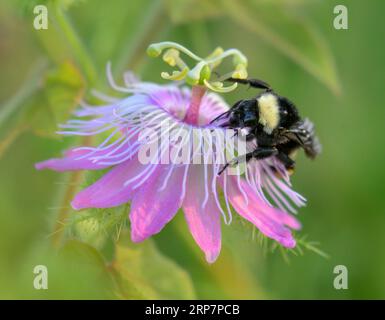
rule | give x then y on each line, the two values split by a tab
335	77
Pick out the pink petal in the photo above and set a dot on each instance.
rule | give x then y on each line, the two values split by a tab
204	222
73	160
109	191
81	159
156	203
270	221
69	162
277	215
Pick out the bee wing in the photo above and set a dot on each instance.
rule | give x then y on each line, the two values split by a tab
311	142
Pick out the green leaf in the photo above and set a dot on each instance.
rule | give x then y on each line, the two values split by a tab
27	89
292	34
17	105
63	90
82	259
83	254
142	272
75	271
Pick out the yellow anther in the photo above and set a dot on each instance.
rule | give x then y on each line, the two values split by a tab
217	52
171	56
240	72
176	75
239	58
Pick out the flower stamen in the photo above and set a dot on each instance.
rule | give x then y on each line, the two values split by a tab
199	74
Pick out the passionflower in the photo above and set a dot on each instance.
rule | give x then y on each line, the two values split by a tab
164	154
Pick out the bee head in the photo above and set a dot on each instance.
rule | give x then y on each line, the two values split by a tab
245	114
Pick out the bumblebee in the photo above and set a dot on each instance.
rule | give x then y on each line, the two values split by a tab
273	123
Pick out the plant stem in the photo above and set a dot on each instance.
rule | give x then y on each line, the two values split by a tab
80	52
12	135
58	230
153	22
192	115
31	84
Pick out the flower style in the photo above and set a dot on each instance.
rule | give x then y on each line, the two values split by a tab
158	189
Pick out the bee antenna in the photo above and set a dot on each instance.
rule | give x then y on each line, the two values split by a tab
254	83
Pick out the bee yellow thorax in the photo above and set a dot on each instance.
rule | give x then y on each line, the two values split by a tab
268	111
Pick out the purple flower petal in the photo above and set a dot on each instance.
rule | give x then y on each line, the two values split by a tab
69	162
156	202
109	191
268	220
277	215
75	159
203	220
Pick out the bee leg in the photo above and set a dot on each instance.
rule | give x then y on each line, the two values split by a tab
233	163
286	160
255	83
263	152
224	168
235	134
221	115
258	153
